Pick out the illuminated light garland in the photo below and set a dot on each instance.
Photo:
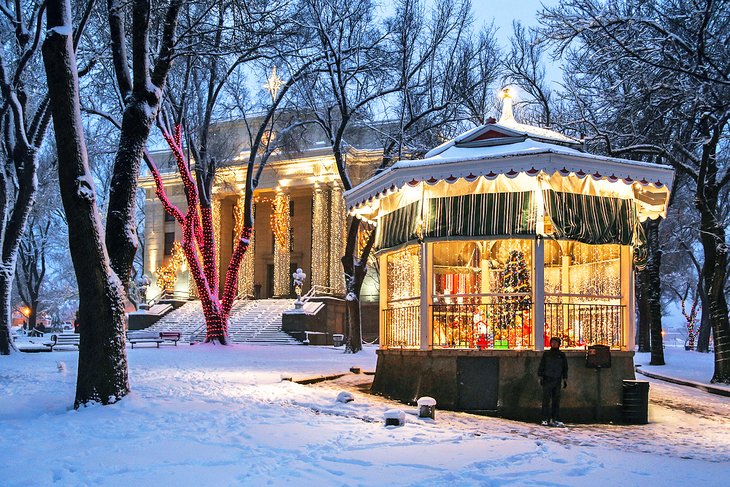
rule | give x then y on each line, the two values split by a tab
404	291
320	243
338	219
280	225
216	233
363	235
198	244
247	269
167	274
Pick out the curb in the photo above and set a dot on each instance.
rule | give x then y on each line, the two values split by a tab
323	378
697	385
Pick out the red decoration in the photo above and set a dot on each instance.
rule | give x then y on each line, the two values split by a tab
199	238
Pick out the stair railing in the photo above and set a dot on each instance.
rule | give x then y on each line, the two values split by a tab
318	290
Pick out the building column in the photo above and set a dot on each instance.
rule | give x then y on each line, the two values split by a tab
246	271
337	239
426	293
216	214
320	235
538	287
628	323
281	226
383	299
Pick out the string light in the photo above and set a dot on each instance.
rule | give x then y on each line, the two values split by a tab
280	225
167	274
216	234
320	244
199	244
273	83
246	272
404	291
338	217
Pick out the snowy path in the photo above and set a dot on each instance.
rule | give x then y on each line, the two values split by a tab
204	415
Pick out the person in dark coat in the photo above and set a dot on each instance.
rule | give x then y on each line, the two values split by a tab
552	370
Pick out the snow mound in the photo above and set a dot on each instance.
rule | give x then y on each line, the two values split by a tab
345	396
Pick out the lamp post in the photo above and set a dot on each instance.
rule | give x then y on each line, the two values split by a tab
299	276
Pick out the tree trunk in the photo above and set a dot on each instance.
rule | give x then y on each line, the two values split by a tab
703	337
102	369
652	292
355	268
6	286
121	229
644	340
712	236
33	315
354	324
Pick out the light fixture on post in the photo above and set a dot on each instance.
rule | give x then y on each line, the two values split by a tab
298	278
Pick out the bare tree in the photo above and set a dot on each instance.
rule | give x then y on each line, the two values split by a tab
31	268
409	64
525	67
141	91
673	58
24	118
102	353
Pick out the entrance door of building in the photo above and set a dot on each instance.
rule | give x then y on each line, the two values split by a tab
478	382
270	280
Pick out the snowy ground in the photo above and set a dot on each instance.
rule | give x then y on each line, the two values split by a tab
682	364
207	415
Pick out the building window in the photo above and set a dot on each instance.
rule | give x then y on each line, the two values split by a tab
169	241
169	217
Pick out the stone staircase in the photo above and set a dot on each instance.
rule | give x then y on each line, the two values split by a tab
251	321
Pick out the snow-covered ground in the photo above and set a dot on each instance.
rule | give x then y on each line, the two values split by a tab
207	415
682	364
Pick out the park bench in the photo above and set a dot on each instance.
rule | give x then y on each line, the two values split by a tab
137	337
64	340
171	336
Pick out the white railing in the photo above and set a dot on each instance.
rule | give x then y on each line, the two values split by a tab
318	290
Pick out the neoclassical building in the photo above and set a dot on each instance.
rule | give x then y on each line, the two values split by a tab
300	215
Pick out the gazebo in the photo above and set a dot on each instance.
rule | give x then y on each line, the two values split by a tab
496	241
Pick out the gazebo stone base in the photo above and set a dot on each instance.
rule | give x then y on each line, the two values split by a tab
502	382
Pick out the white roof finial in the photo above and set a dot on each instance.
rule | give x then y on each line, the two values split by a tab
507	115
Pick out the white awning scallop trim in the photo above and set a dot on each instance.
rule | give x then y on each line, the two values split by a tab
510	164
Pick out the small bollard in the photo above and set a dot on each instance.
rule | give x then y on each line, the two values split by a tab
394	417
426	407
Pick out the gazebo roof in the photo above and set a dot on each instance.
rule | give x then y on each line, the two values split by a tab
507	149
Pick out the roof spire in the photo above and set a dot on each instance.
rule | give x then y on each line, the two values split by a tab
507	115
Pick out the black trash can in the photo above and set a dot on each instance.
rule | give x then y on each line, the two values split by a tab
635	401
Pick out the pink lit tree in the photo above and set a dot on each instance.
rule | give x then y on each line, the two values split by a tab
198	240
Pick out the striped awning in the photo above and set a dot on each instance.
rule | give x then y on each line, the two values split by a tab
583	218
480	215
591	219
471	215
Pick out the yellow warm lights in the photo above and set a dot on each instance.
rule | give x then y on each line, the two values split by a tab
167	274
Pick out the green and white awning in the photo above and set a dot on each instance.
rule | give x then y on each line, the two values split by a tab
583	218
